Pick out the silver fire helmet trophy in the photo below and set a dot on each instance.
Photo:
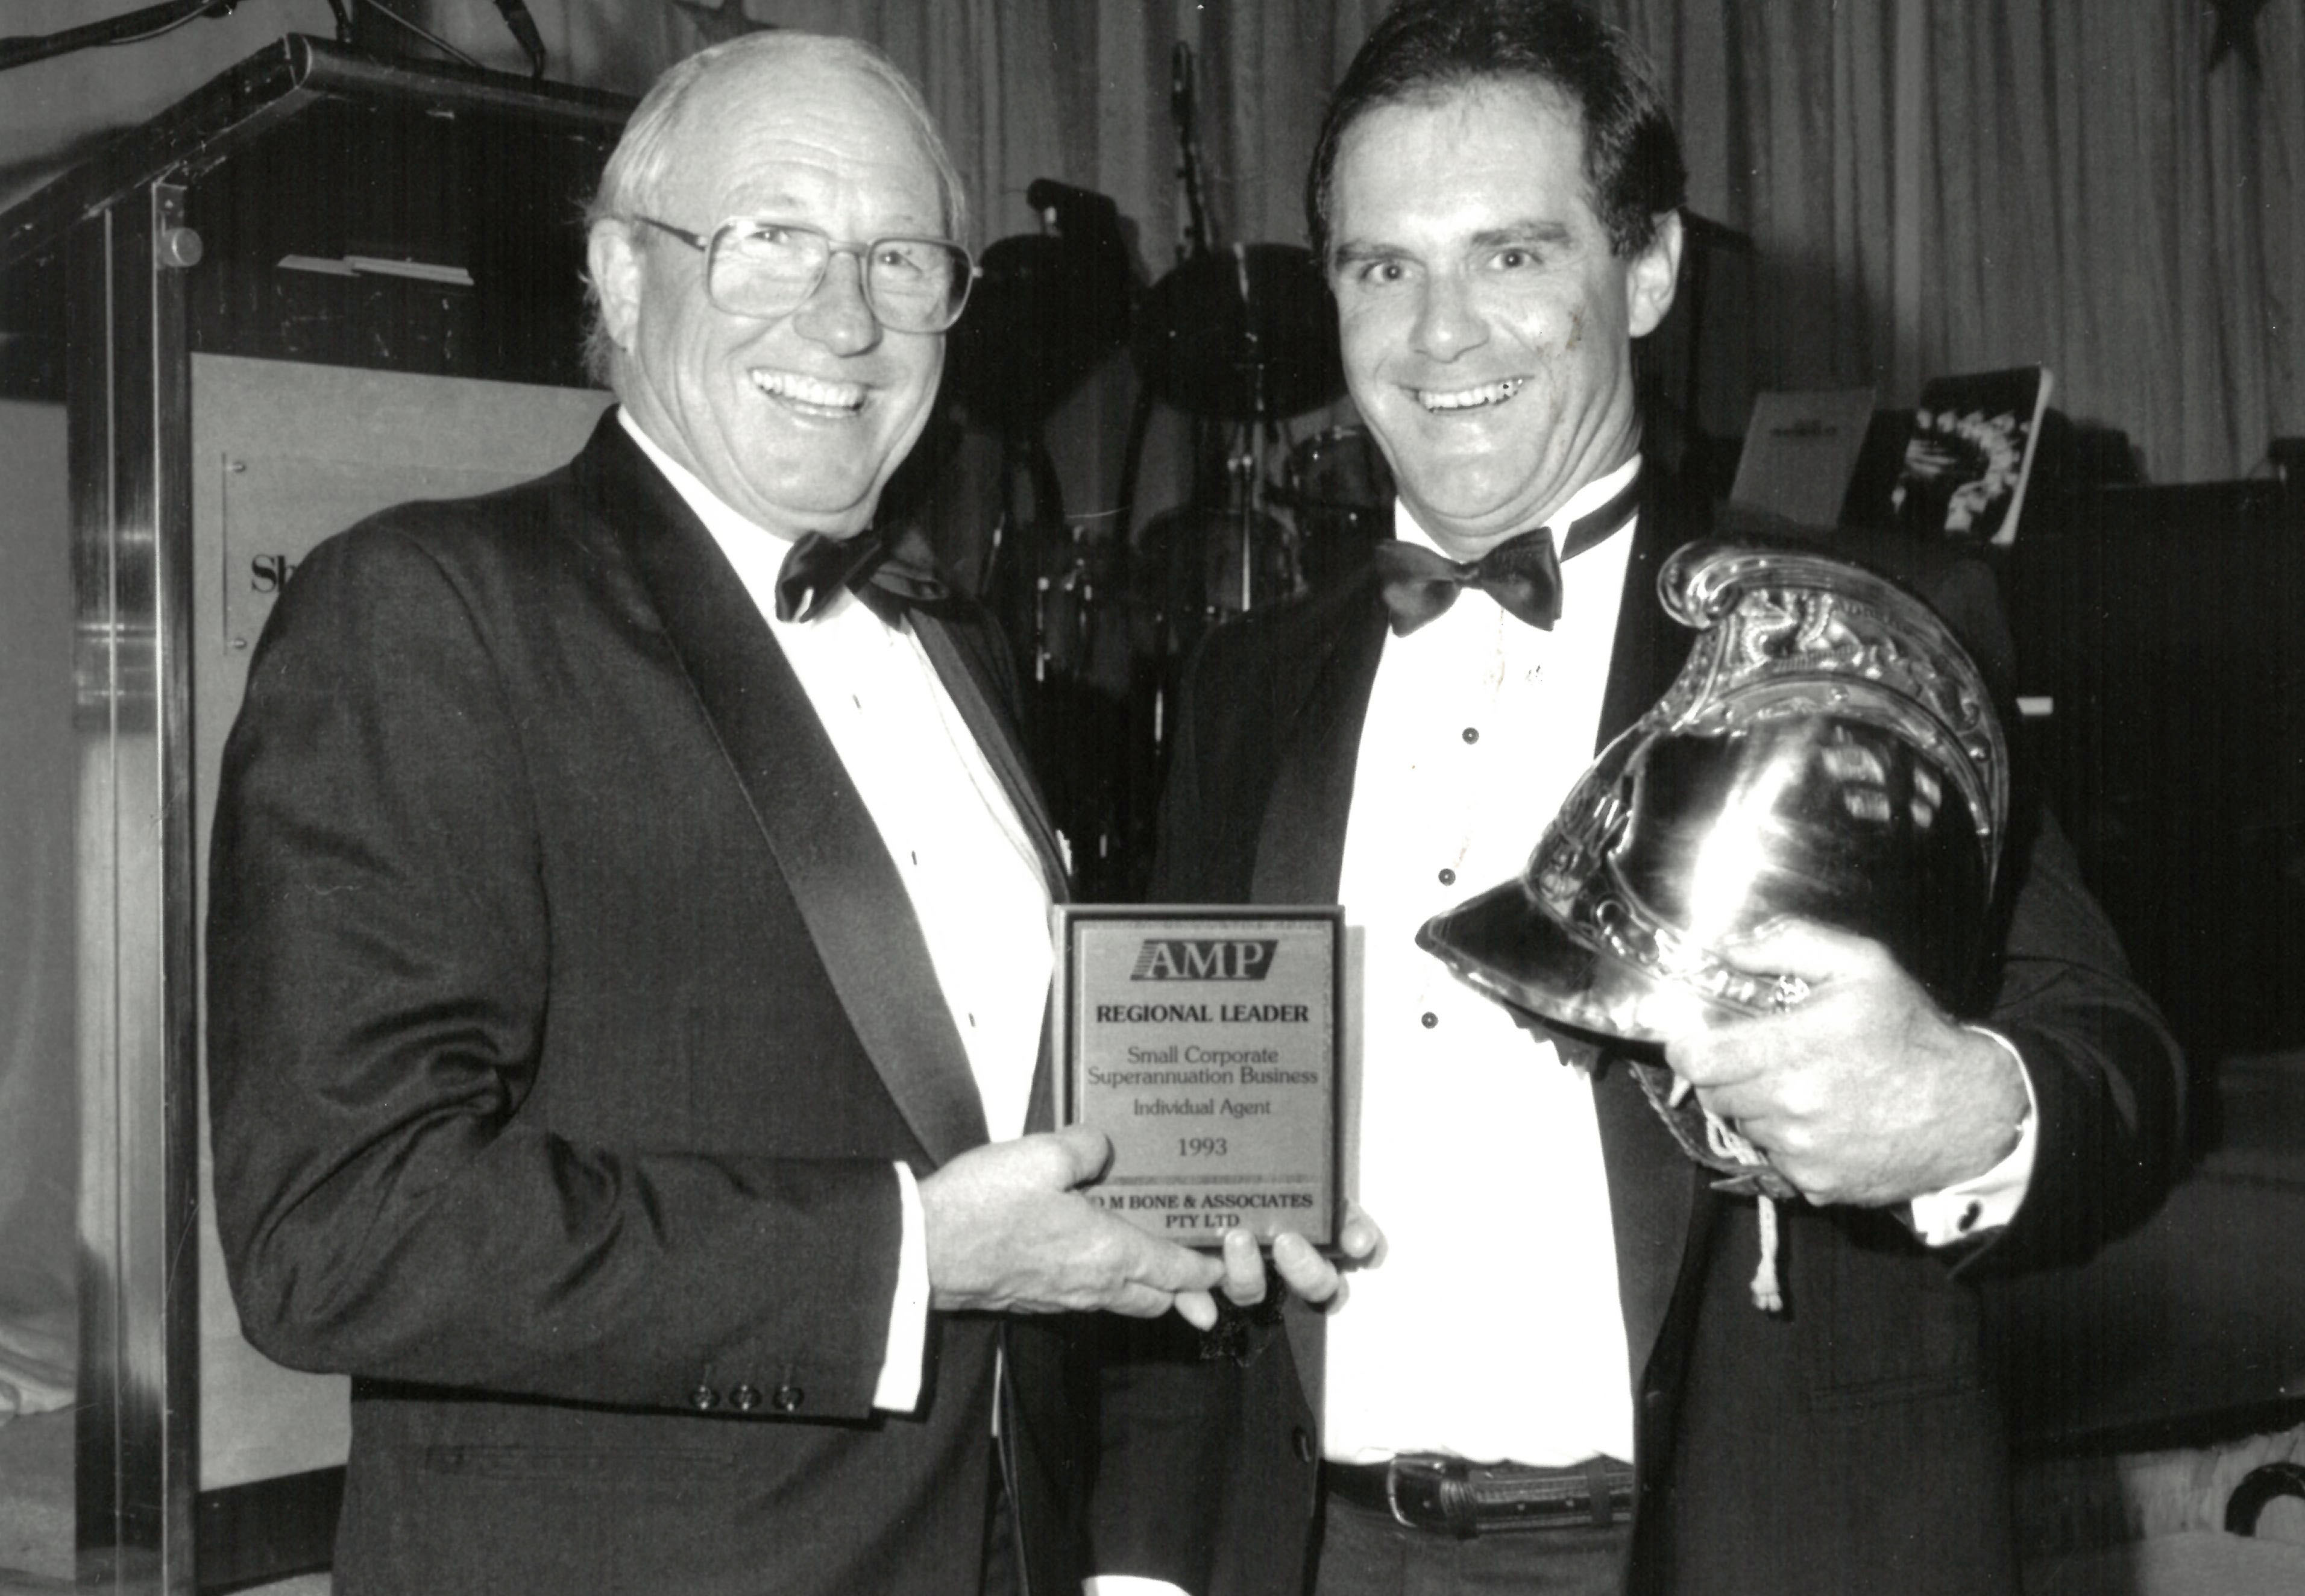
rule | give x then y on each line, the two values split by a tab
1828	752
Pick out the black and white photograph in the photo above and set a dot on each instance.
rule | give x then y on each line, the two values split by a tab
1153	797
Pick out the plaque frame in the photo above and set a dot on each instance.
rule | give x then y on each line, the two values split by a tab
1073	926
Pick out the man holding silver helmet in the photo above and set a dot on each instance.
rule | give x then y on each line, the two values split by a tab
1553	1374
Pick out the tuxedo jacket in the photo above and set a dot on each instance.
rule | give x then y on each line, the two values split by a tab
1853	1442
566	1015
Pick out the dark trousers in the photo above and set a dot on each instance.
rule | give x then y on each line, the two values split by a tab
1365	1553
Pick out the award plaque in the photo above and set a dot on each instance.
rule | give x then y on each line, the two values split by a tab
1206	1043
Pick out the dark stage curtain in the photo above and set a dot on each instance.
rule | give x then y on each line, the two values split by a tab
1929	188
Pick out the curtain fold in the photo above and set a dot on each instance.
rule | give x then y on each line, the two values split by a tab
1934	189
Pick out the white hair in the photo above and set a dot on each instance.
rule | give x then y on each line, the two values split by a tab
632	182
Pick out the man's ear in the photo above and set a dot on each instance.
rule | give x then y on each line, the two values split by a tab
1652	275
613	257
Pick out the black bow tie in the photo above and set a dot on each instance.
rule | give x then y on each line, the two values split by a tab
885	578
1522	574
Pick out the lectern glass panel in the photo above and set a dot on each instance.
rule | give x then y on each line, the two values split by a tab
39	1024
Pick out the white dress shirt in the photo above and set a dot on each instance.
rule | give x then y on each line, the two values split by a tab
1491	1329
968	863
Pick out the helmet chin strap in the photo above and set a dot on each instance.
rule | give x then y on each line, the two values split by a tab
1726	1142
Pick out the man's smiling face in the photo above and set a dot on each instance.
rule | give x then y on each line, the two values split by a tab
796	421
1485	321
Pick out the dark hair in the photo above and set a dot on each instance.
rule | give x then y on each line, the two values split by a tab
1427	47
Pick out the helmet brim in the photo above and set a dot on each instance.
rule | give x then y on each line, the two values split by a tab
1506	944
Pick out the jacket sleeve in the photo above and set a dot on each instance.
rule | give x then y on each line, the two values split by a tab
393	1199
2108	1078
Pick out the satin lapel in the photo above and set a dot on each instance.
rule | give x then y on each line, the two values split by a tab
1652	1186
968	677
1654	1209
971	678
1321	699
841	877
1650	645
1040	1107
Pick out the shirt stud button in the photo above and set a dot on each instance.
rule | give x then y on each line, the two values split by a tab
1472	733
1430	1019
1448	877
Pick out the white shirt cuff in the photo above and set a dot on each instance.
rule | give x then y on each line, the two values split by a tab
899	1391
1128	1585
1989	1201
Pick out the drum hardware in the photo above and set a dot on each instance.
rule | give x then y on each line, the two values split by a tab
1338	490
1237	337
1238	332
1031	503
1082	617
1051	308
1243	333
1075	585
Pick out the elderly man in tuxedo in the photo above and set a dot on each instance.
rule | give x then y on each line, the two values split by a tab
629	950
1552	1377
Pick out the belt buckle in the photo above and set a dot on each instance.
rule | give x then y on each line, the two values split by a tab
1429	1476
1436	1491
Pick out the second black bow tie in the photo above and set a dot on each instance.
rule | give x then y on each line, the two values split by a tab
886	579
1522	574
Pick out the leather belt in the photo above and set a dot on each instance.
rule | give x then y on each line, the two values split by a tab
1428	1490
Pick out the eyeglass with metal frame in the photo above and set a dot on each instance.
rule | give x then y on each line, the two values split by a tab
758	266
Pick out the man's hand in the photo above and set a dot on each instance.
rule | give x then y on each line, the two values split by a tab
1302	1270
1006	1229
1862	1092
